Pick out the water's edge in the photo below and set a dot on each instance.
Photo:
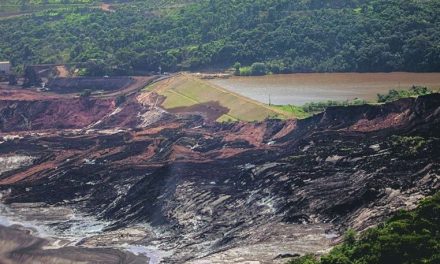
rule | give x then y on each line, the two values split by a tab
301	88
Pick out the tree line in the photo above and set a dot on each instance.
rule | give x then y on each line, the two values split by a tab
262	36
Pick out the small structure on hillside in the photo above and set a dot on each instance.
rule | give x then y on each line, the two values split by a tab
5	67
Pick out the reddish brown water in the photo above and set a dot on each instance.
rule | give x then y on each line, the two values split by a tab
298	89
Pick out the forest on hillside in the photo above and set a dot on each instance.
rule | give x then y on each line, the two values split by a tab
287	36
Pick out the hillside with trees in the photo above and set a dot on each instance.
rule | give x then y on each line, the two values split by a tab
284	36
408	237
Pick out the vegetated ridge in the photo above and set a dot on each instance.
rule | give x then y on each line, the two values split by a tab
287	36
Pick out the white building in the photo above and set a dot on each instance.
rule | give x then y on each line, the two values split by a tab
5	67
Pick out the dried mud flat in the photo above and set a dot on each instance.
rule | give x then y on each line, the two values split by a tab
40	233
18	246
181	189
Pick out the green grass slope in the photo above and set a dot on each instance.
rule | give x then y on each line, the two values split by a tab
185	91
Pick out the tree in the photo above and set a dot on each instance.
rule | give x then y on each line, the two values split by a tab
27	53
31	78
326	36
96	68
258	69
237	66
350	237
120	100
23	5
86	93
12	79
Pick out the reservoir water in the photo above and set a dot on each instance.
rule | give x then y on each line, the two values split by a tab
298	89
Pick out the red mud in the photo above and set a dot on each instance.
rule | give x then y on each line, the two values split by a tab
287	128
189	138
23	109
25	95
250	132
51	114
33	172
391	120
175	168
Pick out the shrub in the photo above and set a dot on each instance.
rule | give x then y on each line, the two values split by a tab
321	106
120	100
258	69
86	93
245	71
394	95
307	259
237	67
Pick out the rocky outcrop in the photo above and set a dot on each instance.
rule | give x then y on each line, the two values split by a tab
214	189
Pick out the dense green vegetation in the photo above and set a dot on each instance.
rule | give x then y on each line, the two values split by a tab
43	2
296	111
316	107
394	95
26	6
281	35
321	106
407	238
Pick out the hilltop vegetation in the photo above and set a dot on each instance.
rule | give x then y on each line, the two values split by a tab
285	35
26	6
408	237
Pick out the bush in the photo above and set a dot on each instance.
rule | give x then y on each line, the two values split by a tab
307	259
277	67
258	69
120	100
245	71
408	146
237	67
86	93
321	106
394	95
12	79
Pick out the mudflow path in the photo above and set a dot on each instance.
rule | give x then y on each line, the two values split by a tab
205	192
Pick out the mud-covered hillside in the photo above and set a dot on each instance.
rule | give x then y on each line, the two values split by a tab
212	192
